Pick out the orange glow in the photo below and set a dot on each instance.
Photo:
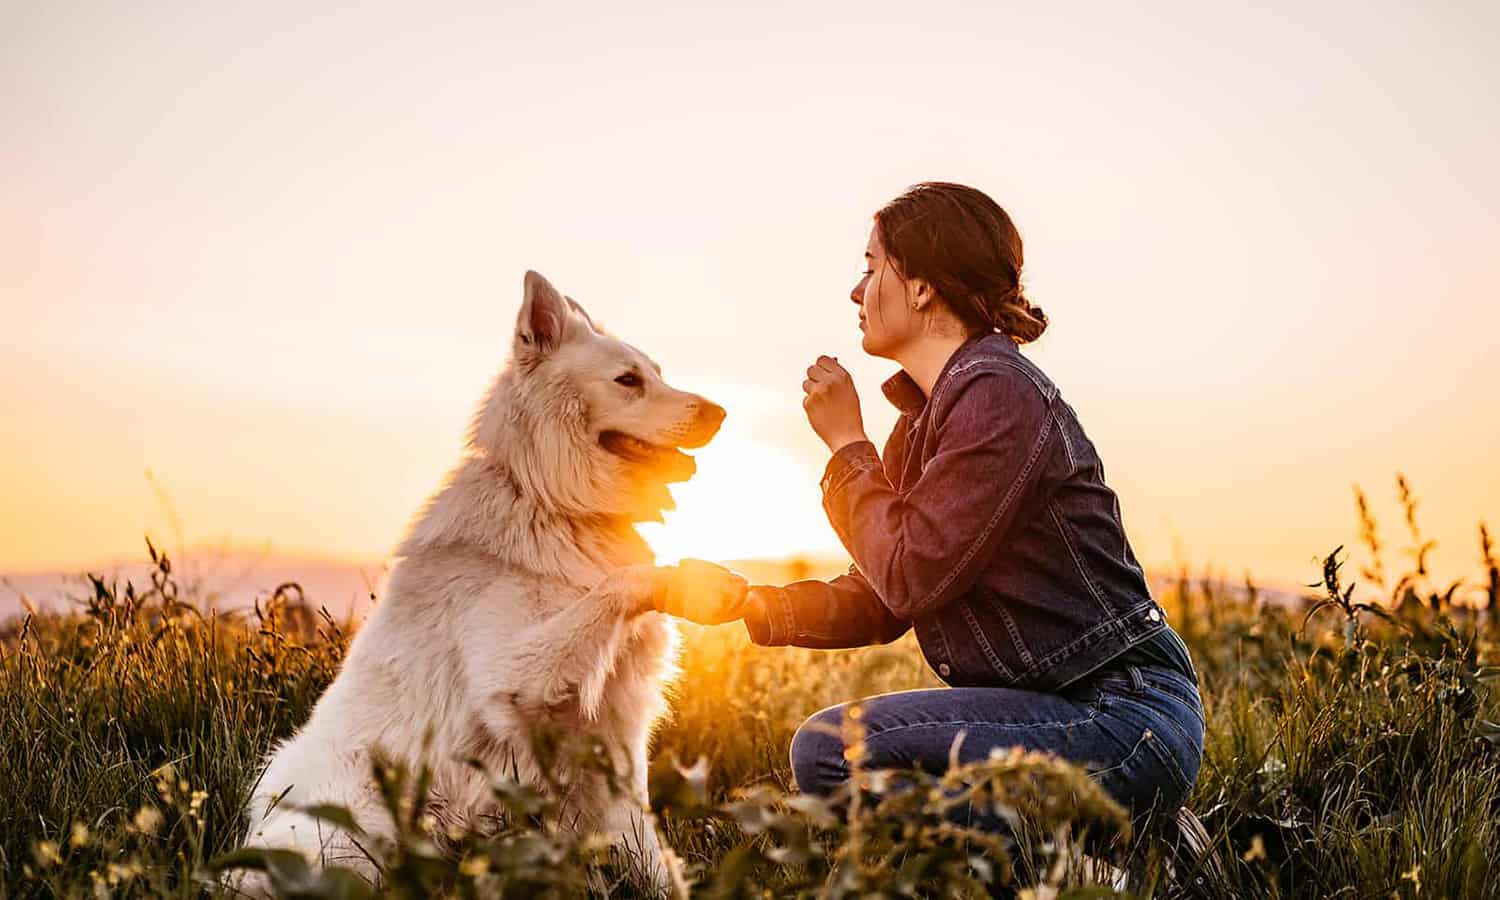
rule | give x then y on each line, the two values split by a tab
748	501
274	255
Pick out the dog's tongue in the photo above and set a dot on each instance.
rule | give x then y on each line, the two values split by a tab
669	463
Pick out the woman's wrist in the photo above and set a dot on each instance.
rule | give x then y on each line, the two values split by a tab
842	441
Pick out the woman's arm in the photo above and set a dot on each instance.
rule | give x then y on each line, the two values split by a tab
826	615
920	550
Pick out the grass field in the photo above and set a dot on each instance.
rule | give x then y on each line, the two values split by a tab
1356	755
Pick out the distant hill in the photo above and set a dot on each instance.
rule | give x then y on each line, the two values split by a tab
219	579
227	580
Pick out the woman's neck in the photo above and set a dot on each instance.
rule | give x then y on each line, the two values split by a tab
924	360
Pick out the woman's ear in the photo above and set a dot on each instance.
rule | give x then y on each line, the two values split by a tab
920	294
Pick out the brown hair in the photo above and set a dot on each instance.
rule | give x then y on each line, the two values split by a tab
963	244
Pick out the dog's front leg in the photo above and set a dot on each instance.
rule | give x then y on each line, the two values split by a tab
572	652
633	829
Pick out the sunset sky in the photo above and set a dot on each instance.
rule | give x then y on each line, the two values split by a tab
272	253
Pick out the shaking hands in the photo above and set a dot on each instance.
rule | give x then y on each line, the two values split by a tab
700	592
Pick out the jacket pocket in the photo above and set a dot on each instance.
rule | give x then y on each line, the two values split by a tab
982	641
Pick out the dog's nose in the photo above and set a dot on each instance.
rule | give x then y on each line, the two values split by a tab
710	415
707	416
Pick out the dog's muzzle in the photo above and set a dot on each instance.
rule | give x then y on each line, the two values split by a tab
669	462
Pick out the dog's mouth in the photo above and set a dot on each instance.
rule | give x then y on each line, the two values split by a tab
670	462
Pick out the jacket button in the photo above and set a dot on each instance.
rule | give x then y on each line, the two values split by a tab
1153	615
943	669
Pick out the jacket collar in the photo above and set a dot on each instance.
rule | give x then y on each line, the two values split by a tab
902	391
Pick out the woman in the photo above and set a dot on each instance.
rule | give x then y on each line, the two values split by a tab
987	527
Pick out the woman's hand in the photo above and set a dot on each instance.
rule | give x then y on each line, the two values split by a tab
700	592
832	404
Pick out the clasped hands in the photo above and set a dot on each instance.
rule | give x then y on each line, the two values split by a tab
700	592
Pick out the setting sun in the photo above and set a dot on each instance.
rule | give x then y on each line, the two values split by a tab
747	500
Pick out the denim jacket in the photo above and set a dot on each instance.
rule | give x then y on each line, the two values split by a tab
986	525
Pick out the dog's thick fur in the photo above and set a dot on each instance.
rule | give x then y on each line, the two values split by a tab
521	600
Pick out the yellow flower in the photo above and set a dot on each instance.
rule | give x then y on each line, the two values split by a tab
122	873
147	820
474	866
47	855
1257	850
1414	875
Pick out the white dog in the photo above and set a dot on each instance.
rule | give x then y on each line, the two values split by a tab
522	598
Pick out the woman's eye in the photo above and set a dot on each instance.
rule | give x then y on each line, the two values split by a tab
629	379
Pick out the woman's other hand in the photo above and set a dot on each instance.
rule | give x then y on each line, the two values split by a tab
832	404
701	592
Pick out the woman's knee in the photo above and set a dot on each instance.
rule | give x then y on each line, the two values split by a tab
817	752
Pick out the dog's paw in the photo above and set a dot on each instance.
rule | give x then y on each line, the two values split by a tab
703	592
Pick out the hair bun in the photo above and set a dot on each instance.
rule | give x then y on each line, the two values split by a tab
1018	318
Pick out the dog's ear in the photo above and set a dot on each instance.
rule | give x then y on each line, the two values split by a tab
542	325
582	313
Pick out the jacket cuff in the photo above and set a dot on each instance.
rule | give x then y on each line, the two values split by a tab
851	458
769	620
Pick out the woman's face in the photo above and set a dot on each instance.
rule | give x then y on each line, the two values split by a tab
885	315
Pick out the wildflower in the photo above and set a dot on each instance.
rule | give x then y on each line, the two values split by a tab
1257	850
118	873
1414	875
80	835
474	866
147	820
164	777
47	854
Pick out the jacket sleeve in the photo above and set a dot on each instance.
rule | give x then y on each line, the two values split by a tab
826	615
920	550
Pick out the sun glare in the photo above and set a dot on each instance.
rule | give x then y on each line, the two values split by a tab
747	501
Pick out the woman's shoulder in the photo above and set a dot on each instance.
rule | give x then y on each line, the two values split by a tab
993	368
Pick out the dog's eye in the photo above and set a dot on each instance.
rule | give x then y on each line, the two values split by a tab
630	380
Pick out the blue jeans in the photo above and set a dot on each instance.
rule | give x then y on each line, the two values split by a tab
1137	730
